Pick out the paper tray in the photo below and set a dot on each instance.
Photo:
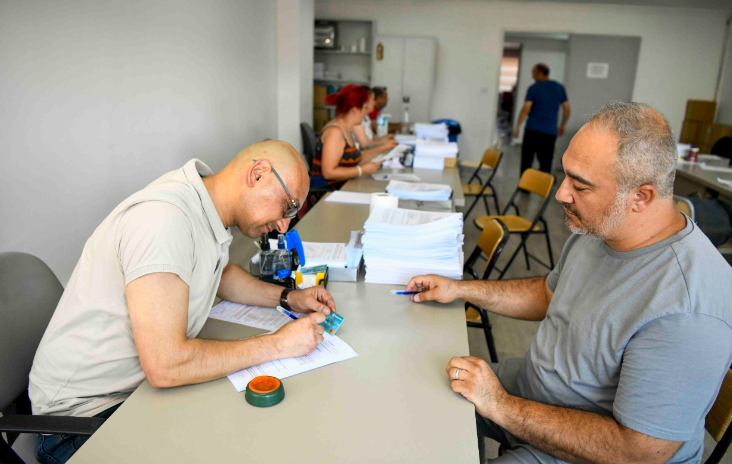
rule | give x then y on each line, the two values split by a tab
342	274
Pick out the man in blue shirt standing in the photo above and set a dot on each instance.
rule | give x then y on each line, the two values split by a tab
542	107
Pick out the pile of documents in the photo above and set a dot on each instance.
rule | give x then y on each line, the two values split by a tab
434	132
400	244
419	191
431	155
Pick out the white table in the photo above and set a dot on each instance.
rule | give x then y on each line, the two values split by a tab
391	404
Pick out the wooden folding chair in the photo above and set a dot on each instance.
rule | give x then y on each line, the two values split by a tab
491	157
472	164
536	182
491	242
719	418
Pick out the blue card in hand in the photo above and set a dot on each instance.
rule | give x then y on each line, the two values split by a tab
332	322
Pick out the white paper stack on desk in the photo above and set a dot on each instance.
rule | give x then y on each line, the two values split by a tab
431	155
400	244
419	191
432	131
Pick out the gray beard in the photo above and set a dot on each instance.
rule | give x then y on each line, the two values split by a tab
611	219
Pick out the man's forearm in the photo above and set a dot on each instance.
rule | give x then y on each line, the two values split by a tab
573	435
522	118
565	115
519	299
239	286
196	361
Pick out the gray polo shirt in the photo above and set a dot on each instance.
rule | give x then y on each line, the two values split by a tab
87	360
644	336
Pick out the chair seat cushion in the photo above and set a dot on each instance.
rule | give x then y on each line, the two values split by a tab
472	315
513	223
474	189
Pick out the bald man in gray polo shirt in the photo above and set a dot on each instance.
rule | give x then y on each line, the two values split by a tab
636	318
147	278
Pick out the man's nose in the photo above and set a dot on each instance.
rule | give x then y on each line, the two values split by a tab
563	194
282	225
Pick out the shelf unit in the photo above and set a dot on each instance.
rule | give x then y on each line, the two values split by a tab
352	67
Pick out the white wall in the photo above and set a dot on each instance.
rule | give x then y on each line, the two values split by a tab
101	97
552	53
679	54
307	42
724	113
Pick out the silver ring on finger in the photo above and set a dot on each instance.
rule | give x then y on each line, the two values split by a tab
457	373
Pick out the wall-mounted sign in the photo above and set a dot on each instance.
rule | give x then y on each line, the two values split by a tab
598	70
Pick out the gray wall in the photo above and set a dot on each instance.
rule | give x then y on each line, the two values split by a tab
101	97
587	95
724	113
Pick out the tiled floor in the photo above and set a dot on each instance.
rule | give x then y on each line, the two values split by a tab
513	337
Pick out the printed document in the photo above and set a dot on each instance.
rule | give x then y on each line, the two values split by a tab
252	316
340	196
332	350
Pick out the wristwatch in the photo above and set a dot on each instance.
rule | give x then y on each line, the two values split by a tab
283	298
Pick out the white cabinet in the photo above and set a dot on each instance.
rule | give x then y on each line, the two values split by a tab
406	68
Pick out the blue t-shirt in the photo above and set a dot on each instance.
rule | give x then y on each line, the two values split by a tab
546	96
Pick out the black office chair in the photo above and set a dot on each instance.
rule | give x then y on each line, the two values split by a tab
29	293
718	420
309	140
491	242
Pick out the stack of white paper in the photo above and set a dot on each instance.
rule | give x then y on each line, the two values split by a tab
330	254
354	250
405	139
419	191
431	155
339	196
400	244
432	131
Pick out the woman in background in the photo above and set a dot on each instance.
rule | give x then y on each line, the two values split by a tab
337	158
363	133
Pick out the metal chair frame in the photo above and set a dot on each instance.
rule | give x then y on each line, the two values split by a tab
485	185
485	322
525	235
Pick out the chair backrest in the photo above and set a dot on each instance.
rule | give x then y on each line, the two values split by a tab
720	415
308	143
29	293
536	182
491	157
491	241
685	205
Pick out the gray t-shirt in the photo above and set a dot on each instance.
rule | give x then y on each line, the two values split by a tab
87	360
644	336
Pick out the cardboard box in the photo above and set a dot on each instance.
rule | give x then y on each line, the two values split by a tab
700	110
688	131
704	134
319	94
450	162
320	119
719	131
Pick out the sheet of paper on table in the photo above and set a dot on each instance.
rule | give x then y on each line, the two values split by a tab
706	167
330	254
419	190
252	316
396	176
725	181
332	350
340	196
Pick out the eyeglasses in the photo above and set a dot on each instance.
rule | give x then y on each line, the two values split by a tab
291	212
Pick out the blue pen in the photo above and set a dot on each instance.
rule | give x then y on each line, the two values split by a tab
397	292
286	313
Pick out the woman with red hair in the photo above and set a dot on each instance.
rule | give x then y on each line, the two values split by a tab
337	158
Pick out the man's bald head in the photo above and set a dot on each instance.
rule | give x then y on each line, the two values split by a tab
646	149
247	192
283	158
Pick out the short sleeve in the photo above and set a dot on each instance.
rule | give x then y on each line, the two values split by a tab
530	94
155	236
672	370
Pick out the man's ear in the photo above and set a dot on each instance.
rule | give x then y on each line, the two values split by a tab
257	171
643	197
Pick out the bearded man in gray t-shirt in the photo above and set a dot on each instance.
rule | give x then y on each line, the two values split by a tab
636	319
